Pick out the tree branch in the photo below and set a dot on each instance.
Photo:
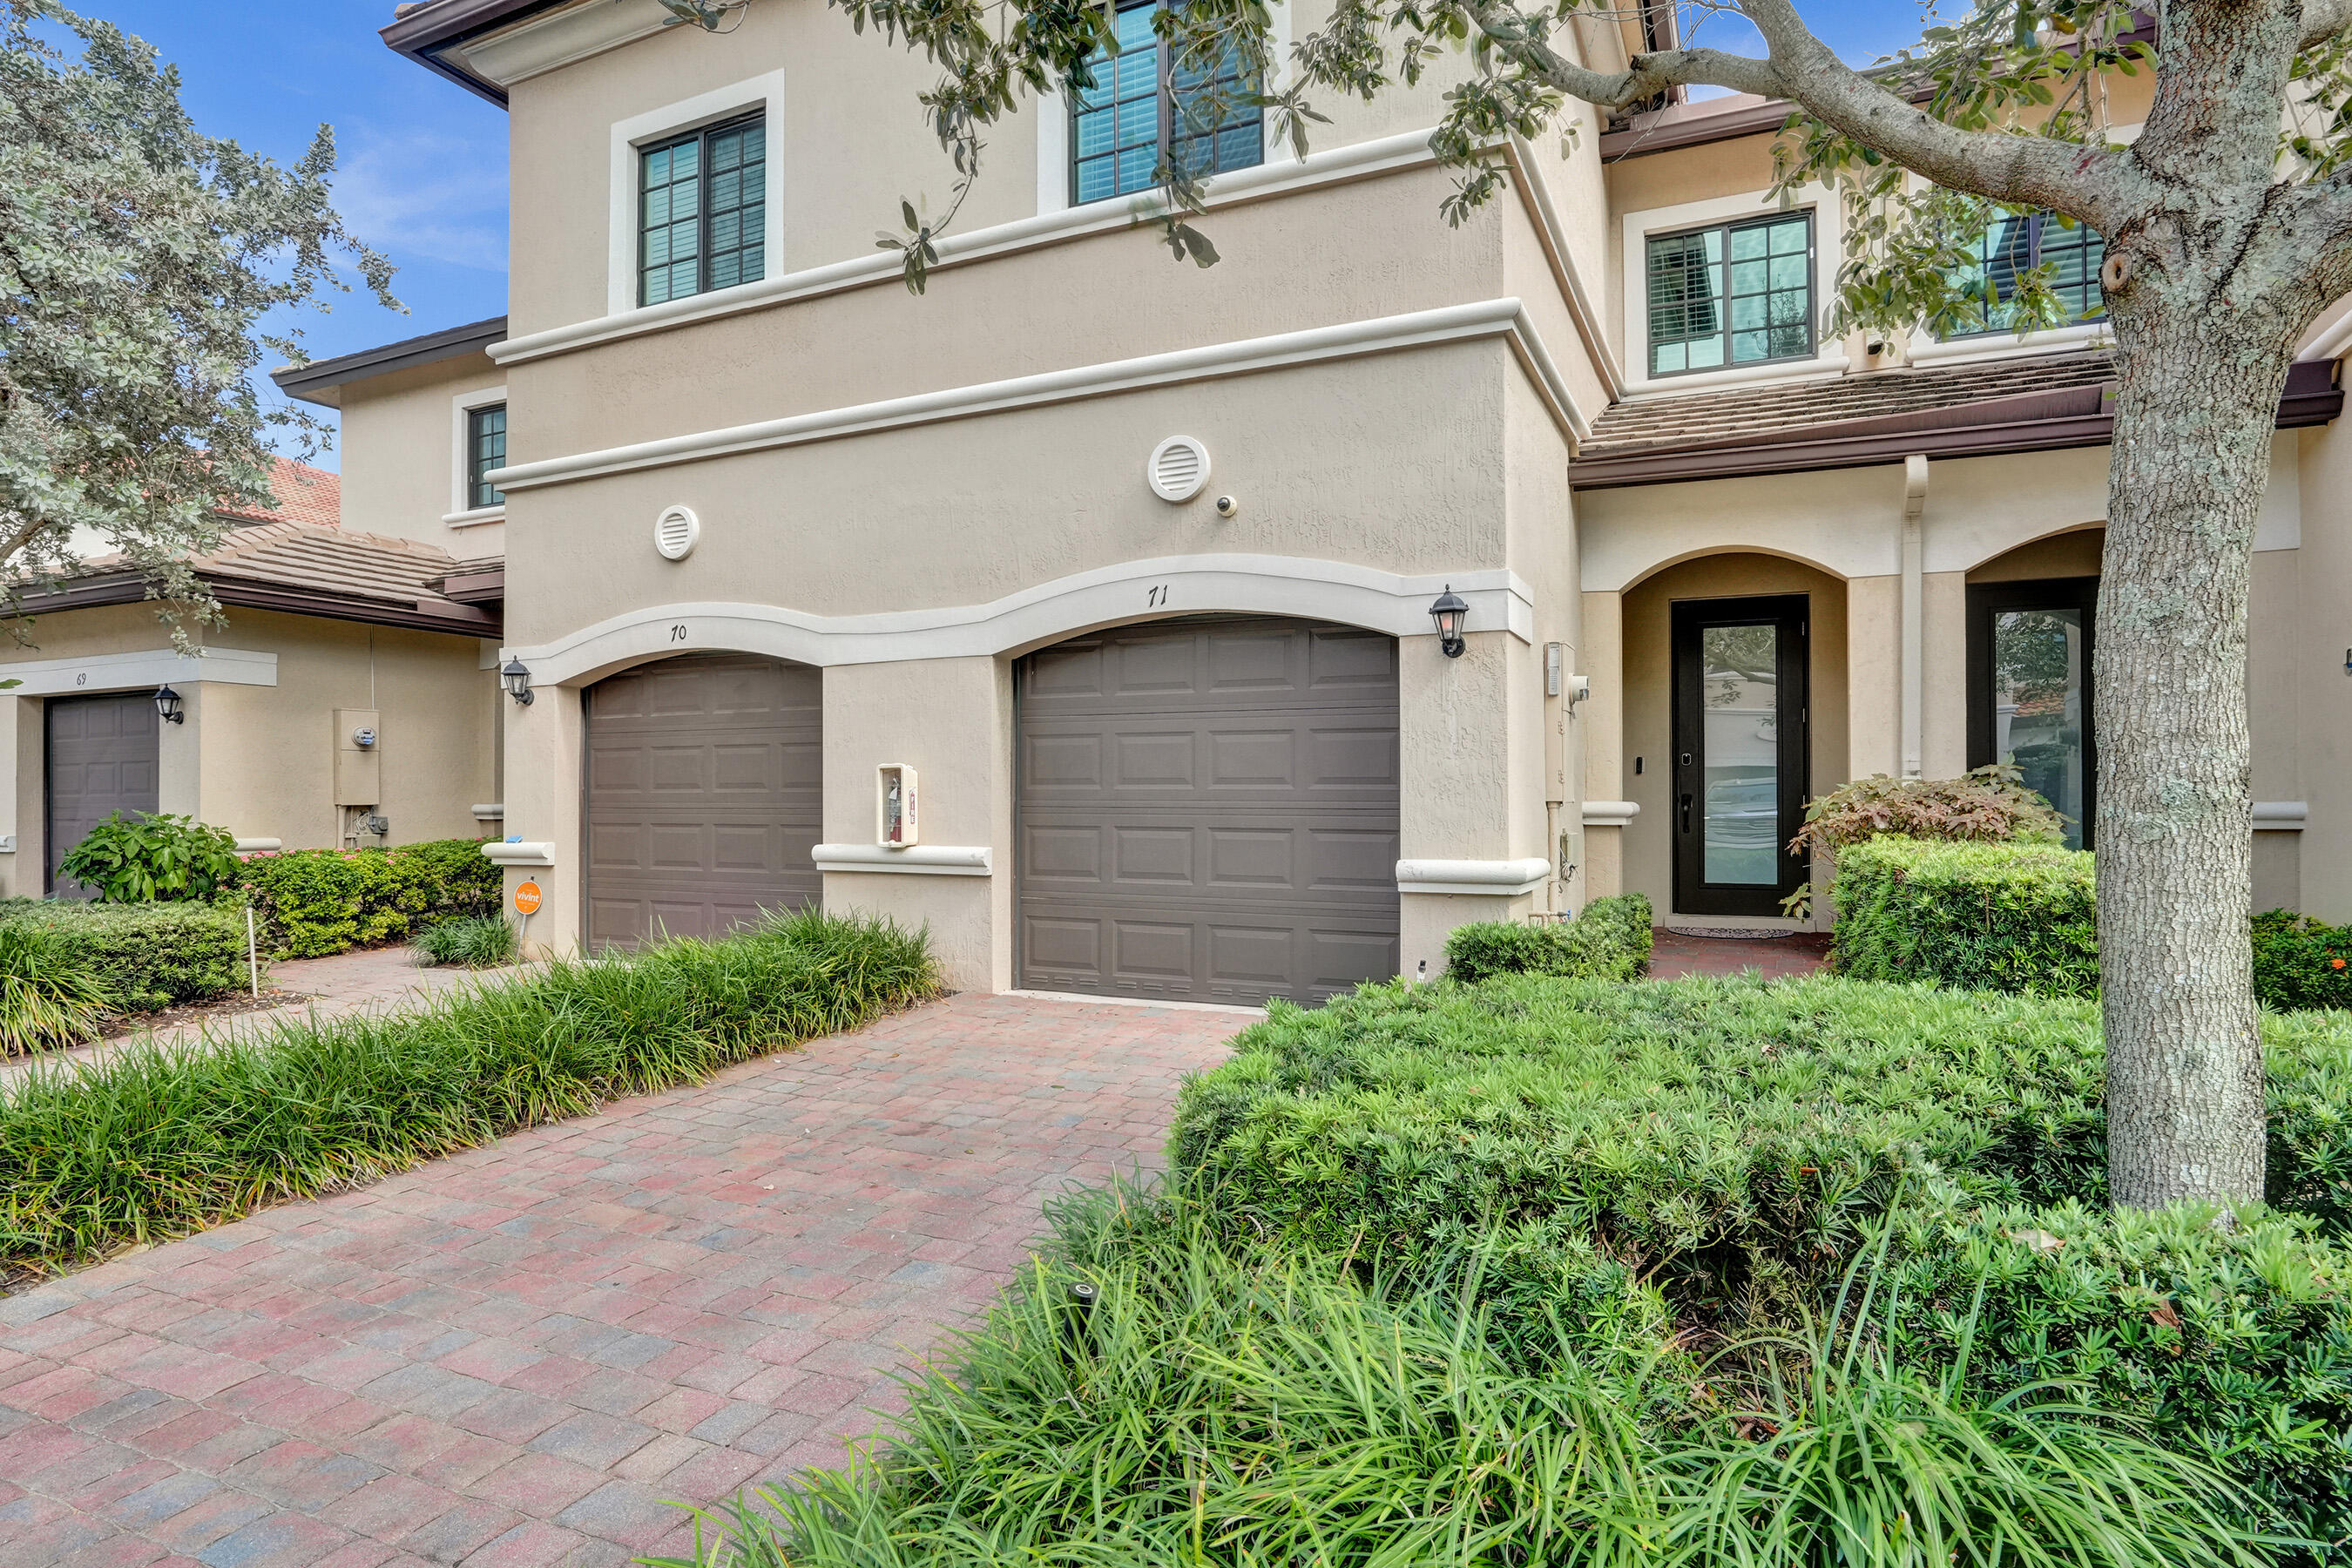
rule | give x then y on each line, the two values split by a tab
2321	20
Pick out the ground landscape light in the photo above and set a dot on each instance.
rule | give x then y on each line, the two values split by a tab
1449	611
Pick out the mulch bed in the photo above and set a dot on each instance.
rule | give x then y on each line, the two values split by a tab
194	1012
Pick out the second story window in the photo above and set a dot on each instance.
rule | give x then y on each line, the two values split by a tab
2017	243
702	210
486	449
1150	103
1737	294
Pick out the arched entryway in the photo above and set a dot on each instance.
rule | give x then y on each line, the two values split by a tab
704	796
1208	811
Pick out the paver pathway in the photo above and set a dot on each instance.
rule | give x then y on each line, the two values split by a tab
1673	956
512	1357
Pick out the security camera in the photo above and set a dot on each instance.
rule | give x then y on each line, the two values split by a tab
1228	507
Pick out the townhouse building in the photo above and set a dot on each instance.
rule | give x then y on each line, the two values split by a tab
1212	635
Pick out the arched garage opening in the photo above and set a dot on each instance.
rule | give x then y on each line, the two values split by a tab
704	796
1208	811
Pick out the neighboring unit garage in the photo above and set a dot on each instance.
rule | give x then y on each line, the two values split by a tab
704	794
1208	811
101	757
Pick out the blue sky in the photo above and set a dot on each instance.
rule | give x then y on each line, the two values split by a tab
424	164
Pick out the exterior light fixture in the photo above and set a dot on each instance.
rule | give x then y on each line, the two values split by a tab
1449	610
168	707
516	677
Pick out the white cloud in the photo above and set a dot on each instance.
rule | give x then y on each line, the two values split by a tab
426	193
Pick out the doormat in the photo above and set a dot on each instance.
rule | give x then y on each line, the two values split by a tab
1730	933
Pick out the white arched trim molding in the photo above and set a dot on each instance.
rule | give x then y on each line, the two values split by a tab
1131	591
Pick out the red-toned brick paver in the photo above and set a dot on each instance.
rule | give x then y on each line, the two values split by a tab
1675	957
521	1353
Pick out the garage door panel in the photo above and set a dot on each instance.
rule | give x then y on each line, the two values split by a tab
101	758
704	796
1242	842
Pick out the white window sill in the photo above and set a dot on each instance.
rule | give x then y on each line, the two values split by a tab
1794	370
1978	347
477	516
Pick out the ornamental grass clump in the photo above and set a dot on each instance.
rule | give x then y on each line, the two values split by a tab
155	1142
470	942
47	1000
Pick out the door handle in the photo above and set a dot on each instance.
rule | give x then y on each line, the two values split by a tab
1686	808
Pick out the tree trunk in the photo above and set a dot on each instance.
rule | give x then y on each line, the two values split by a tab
2195	414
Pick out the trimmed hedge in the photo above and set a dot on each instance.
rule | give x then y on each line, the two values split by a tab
316	901
153	1142
1608	938
1735	1147
2302	962
150	956
1996	917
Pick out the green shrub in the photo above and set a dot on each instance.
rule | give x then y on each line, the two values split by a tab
1224	1402
474	941
140	859
146	957
153	1142
318	902
47	1000
1609	939
1989	804
2301	962
1992	917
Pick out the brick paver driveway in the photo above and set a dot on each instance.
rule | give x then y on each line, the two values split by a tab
515	1355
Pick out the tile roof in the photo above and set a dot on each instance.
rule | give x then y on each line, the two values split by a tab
1737	415
303	568
305	494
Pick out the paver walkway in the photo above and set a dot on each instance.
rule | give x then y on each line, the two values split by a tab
512	1357
1674	957
376	980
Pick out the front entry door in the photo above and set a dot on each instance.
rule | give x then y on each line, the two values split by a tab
1739	753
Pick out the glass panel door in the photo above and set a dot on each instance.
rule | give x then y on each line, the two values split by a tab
2030	650
1740	751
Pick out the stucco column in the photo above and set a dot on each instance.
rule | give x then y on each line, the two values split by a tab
543	800
1601	726
179	757
1915	648
1943	709
1470	748
951	720
1873	617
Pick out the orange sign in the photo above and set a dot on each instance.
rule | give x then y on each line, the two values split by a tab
526	898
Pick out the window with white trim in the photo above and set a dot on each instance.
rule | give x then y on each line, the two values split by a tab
702	210
1731	294
1153	102
486	449
2014	244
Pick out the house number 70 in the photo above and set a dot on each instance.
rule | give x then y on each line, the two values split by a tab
677	633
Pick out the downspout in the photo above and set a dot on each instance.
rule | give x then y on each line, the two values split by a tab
1915	639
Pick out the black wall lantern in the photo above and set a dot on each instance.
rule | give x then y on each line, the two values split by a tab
516	678
168	706
1449	611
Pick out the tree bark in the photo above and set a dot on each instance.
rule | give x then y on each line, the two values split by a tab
2195	414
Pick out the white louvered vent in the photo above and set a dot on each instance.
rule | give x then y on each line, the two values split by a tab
675	531
1179	467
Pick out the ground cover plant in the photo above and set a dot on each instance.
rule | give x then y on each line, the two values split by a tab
472	942
47	1000
148	957
153	1143
313	902
1610	939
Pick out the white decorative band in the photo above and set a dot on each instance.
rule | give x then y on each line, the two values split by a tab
259	846
2281	815
1491	878
129	671
1450	323
1610	813
489	813
1336	591
520	854
916	859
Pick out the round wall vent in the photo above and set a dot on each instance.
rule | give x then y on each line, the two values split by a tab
675	531
1179	467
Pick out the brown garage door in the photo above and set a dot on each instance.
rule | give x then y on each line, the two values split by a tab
705	795
101	760
1208	811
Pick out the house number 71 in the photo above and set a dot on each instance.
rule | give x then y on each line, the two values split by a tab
1157	596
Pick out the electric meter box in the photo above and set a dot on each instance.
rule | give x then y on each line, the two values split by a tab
356	767
894	807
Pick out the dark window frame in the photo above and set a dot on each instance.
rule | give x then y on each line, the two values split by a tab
2079	236
1792	614
480	494
705	215
1725	331
1986	599
1168	108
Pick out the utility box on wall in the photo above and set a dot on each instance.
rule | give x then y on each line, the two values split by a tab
356	772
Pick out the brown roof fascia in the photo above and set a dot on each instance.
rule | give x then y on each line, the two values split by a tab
424	34
316	382
474	584
129	588
2312	398
1640	137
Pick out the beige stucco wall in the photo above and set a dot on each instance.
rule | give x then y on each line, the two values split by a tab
2318	649
258	759
399	446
